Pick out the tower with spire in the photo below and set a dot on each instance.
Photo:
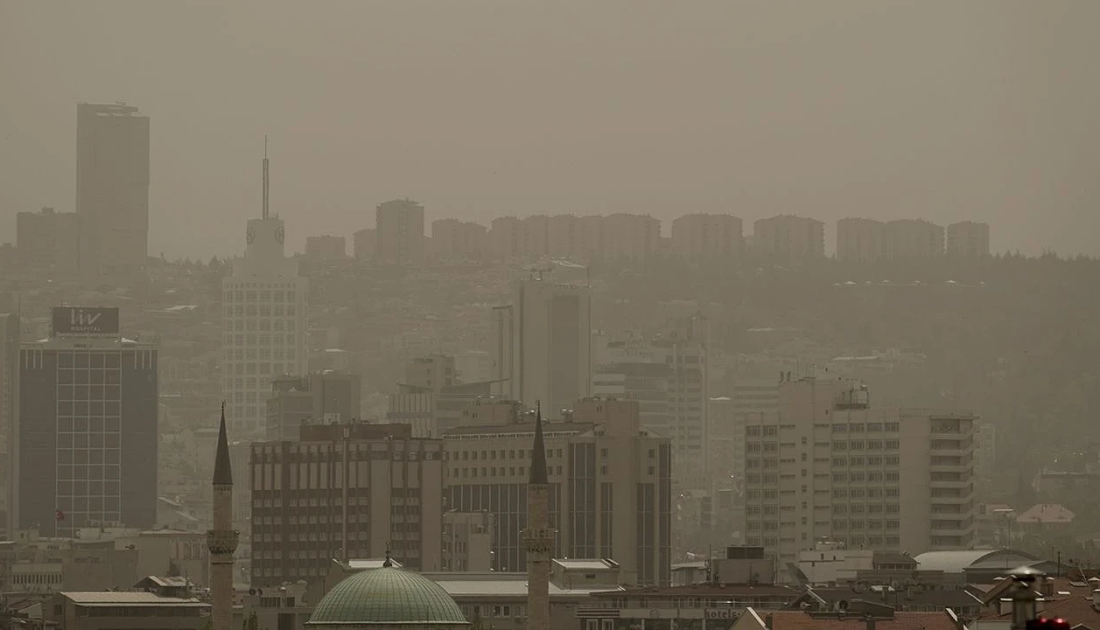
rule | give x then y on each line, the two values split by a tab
538	536
222	539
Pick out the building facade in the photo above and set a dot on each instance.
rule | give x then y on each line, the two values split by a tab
702	236
787	237
48	241
9	409
263	325
112	189
913	238
968	239
458	240
321	397
399	228
609	491
861	240
543	344
828	465
345	491
85	449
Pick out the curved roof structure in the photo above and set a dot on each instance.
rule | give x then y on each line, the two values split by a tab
387	597
959	561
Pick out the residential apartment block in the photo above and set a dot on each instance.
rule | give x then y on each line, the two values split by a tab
399	228
862	240
459	240
696	236
829	465
913	238
968	239
787	237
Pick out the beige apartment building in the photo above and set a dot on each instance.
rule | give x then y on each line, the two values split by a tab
610	484
344	491
787	237
696	236
968	239
399	228
829	465
459	240
913	238
860	240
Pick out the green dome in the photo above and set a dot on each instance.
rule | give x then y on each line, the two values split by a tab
387	597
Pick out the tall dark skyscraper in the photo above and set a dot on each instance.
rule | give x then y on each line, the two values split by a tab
112	189
85	447
9	400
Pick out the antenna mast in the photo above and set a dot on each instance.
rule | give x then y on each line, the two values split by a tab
267	181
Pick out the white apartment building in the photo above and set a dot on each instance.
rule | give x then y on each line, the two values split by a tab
263	323
968	239
399	228
829	465
707	235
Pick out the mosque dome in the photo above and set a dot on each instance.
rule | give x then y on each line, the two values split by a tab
388	598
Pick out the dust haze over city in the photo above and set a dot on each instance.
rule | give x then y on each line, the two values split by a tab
550	316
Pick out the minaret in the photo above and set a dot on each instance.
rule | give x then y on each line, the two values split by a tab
538	535
222	540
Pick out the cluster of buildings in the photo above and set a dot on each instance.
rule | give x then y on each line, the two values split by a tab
555	480
400	238
106	238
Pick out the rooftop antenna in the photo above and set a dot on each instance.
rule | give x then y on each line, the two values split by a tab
267	181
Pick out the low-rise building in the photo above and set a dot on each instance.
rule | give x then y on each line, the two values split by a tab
110	610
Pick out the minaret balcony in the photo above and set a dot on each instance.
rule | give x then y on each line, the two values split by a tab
222	541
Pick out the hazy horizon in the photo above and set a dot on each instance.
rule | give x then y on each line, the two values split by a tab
947	111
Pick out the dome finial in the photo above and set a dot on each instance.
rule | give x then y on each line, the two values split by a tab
389	560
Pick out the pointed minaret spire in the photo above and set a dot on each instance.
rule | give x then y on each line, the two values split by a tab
223	470
222	539
538	536
538	452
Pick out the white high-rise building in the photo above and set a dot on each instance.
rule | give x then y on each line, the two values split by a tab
829	465
264	322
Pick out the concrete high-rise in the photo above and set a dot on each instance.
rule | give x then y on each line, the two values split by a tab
829	465
610	485
547	337
702	236
861	240
537	536
787	237
913	238
320	397
222	540
263	322
112	189
399	228
345	491
85	449
459	240
968	239
667	375
9	405
48	241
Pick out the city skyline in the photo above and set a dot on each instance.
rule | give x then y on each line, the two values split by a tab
877	149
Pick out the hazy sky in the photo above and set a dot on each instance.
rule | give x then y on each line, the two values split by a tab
946	110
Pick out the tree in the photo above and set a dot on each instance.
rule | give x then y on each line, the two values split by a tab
251	622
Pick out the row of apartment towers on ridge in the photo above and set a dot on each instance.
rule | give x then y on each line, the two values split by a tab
399	237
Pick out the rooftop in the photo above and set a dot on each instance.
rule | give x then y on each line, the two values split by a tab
136	598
